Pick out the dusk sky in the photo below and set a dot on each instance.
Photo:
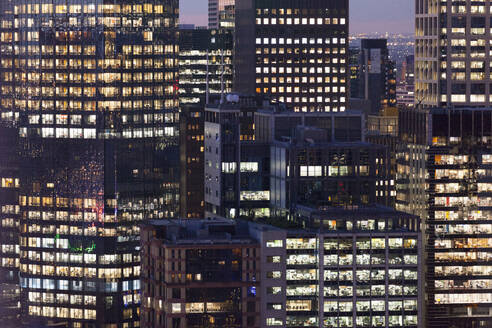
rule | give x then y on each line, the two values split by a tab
365	15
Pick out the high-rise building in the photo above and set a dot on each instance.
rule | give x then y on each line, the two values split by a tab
354	71
310	170
444	177
376	74
94	86
205	60
191	148
451	53
386	123
354	267
9	187
240	165
405	96
294	52
9	226
233	162
331	268
205	71
407	70
221	13
200	273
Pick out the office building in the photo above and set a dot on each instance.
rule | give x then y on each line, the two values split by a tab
205	72
382	130
199	274
332	268
295	52
9	227
443	176
9	187
376	75
405	96
221	13
236	167
344	268
94	87
205	60
191	137
407	70
451	54
386	123
285	165
309	170
278	122
354	71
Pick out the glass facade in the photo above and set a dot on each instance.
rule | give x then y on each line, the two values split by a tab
204	52
376	75
94	87
456	166
9	225
329	174
362	273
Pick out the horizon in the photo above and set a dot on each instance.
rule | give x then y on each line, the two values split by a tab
365	15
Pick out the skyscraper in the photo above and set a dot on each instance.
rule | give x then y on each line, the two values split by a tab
377	80
205	71
220	13
443	163
333	267
9	187
229	130
211	277
205	60
9	226
444	176
294	52
94	85
452	53
407	70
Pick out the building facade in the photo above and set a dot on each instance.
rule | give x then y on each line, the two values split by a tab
191	148
345	268
278	122
293	52
236	166
9	228
199	274
311	171
405	95
205	63
332	268
407	76
446	160
451	53
354	71
205	73
94	87
376	74
221	13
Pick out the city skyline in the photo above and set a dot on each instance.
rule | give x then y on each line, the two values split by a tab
275	163
364	15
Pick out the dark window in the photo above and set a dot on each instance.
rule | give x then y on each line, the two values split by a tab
176	293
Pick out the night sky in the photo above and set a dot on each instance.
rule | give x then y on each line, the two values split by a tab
365	15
